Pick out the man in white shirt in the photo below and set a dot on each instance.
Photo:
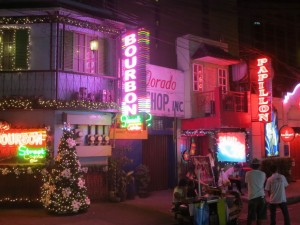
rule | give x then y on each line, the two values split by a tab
275	186
257	207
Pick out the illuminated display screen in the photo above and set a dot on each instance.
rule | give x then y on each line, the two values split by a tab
231	147
23	146
272	136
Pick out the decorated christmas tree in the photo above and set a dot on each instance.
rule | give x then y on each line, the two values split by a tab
65	191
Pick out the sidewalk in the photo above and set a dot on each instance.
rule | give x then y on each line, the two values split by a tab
155	209
161	200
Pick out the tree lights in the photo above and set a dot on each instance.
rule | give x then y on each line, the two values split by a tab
65	192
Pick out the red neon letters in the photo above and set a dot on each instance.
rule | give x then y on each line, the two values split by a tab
264	102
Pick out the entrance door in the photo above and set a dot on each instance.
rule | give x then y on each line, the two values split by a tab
156	155
295	154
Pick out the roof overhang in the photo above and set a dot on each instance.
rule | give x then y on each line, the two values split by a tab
214	55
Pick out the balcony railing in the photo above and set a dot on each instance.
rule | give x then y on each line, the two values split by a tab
207	103
235	101
57	85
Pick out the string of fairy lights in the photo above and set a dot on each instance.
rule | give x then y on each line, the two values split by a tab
59	19
37	172
39	103
10	51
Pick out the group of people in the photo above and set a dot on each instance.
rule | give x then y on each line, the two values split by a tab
257	184
230	177
274	185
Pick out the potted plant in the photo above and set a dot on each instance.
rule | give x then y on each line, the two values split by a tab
142	178
117	177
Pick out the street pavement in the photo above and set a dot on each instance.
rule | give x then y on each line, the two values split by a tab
153	210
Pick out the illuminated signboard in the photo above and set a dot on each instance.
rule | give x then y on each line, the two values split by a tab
231	147
23	146
264	89
135	49
272	136
166	90
287	133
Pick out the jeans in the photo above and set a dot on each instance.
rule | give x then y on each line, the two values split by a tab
284	210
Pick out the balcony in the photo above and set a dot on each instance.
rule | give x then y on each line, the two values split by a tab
215	109
57	85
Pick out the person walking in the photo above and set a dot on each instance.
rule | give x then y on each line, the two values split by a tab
275	186
257	206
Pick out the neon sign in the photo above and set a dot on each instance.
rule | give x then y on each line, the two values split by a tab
264	90
287	133
23	146
132	123
32	155
130	101
135	122
291	94
32	138
135	102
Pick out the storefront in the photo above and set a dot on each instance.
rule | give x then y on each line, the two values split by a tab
23	157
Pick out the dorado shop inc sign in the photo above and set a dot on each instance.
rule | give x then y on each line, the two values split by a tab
166	90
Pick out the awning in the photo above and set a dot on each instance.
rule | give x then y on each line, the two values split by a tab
215	55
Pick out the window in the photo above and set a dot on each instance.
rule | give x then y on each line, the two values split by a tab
14	45
197	77
222	80
79	57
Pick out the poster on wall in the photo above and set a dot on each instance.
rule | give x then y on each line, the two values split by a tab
272	136
231	147
202	166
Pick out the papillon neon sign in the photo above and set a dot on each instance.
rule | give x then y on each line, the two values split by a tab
264	90
135	102
23	145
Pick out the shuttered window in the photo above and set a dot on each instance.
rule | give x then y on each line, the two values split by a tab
14	49
68	50
223	80
198	77
101	54
79	57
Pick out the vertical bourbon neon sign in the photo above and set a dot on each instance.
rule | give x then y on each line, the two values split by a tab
135	101
130	100
264	90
